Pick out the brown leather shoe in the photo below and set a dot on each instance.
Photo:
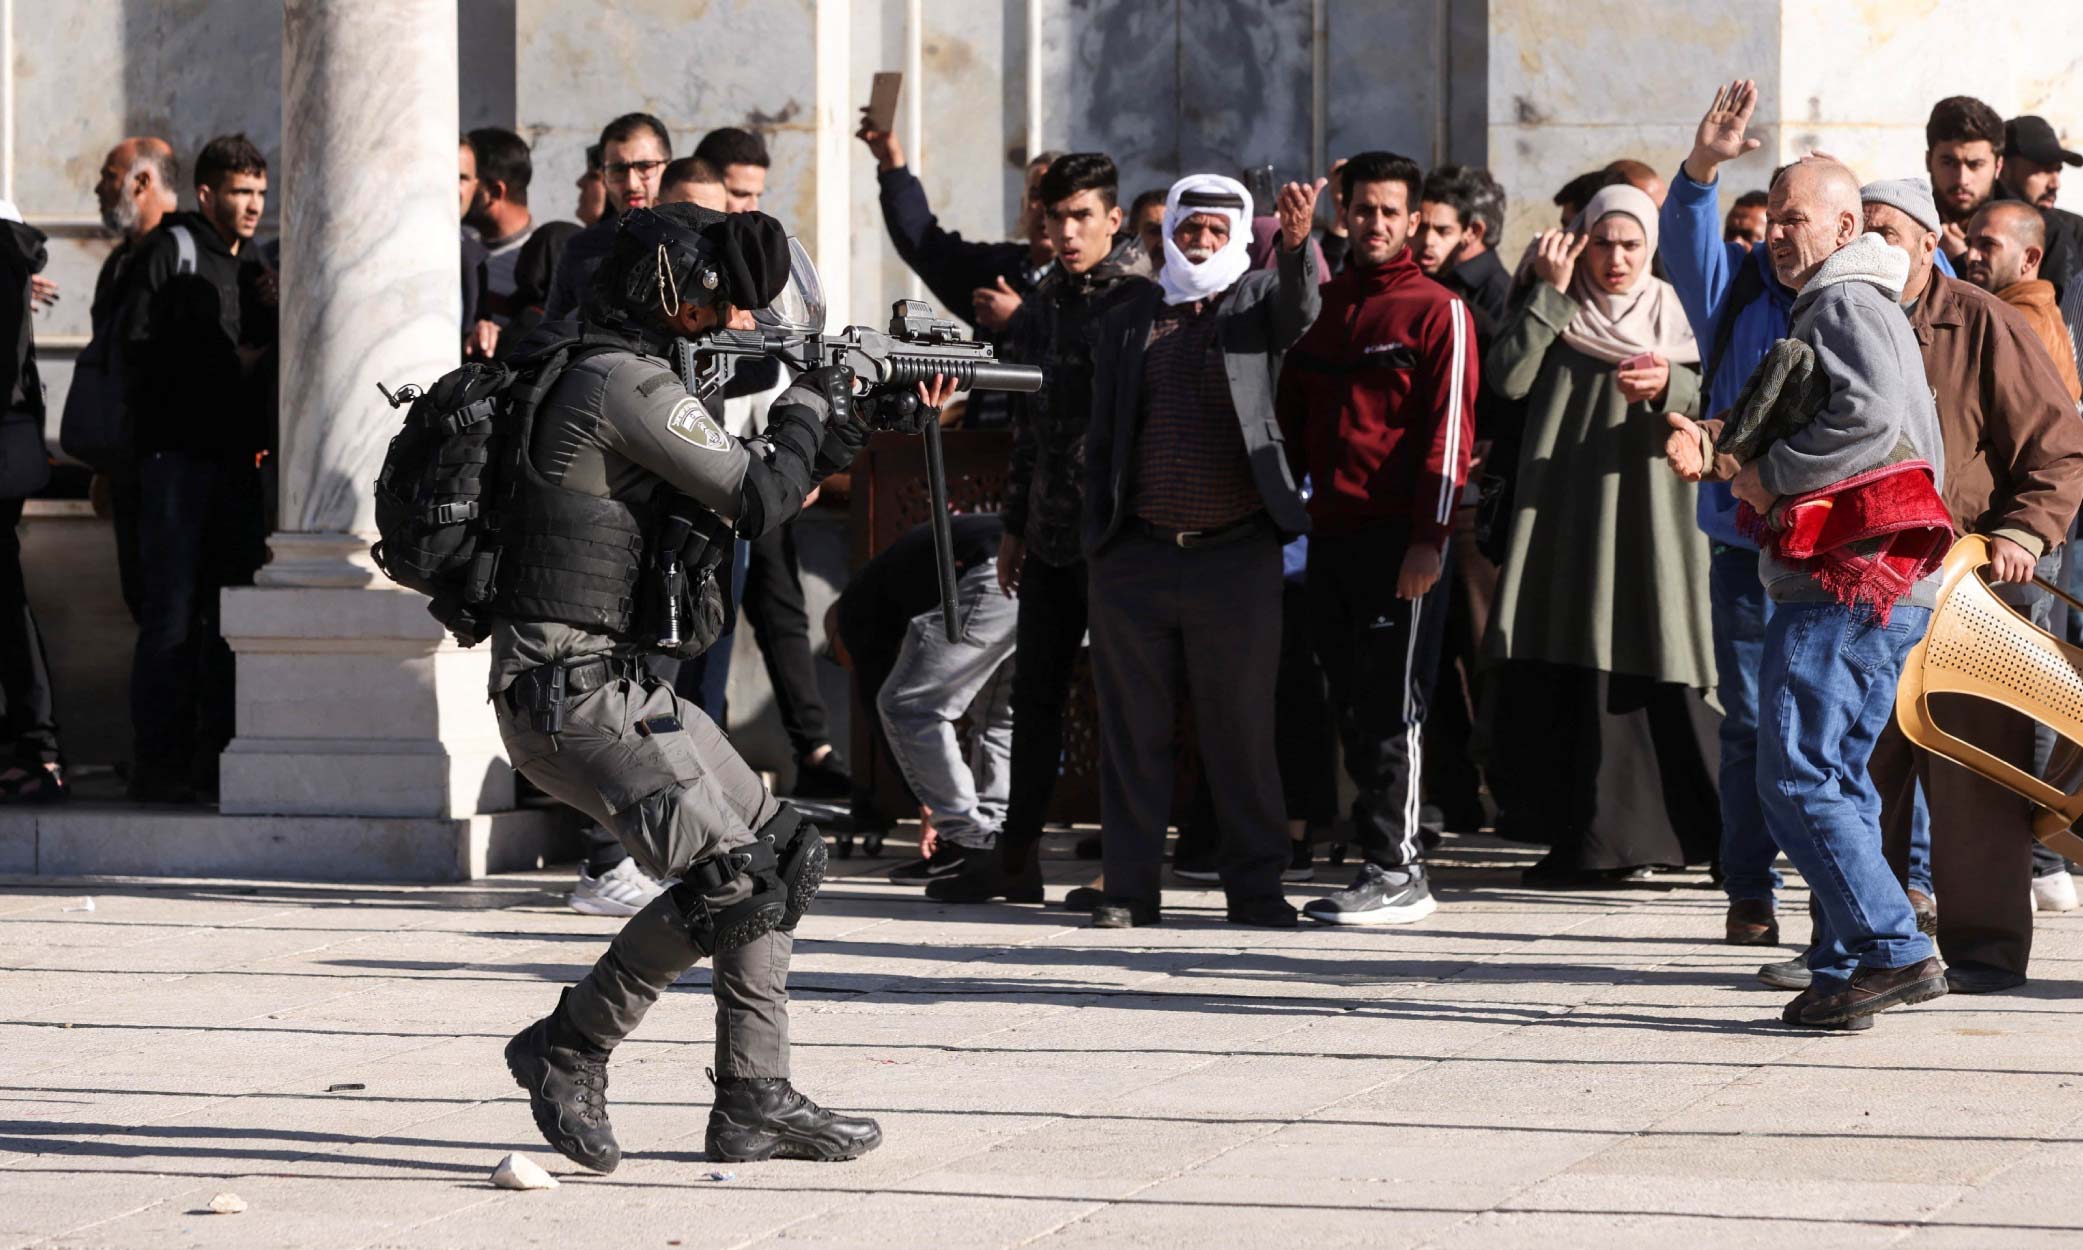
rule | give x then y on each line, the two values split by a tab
1927	911
1795	1010
1874	990
1751	923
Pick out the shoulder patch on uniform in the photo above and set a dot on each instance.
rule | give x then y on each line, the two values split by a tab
663	377
692	423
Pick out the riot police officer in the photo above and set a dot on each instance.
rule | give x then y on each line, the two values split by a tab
629	483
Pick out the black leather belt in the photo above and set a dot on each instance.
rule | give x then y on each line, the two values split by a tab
1250	527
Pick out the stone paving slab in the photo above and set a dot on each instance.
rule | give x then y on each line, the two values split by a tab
1523	1069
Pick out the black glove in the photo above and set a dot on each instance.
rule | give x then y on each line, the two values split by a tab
835	383
845	432
899	412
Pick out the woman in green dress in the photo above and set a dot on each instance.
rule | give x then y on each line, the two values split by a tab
1600	713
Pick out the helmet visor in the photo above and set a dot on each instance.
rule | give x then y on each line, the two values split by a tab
801	305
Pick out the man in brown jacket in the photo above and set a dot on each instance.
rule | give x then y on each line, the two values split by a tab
2005	243
2014	471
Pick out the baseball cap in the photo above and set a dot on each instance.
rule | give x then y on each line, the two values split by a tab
2032	138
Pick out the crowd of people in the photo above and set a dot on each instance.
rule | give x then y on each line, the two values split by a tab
1330	479
1365	478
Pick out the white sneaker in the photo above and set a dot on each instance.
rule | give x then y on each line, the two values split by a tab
620	891
2054	892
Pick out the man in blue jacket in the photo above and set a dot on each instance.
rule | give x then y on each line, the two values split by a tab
1738	309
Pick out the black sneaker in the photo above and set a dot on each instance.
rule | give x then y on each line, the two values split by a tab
1301	863
1196	868
1791	974
828	778
945	861
568	1092
1378	896
755	1119
988	875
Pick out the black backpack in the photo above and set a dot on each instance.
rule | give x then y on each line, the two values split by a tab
440	478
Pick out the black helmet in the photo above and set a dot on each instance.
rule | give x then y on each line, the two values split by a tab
686	254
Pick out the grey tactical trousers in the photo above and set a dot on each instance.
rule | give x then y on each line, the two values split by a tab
672	798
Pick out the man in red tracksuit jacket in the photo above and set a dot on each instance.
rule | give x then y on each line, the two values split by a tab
1377	404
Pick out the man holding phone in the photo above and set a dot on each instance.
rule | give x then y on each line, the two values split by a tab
982	283
1377	402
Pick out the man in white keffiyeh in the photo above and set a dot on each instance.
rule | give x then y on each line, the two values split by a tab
1188	491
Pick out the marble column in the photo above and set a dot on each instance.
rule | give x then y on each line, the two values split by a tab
352	701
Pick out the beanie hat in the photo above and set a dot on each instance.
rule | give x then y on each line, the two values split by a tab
752	252
1911	195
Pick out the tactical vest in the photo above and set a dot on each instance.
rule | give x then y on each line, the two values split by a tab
582	560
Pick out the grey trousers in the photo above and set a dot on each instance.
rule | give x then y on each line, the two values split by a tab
1207	619
672	798
931	685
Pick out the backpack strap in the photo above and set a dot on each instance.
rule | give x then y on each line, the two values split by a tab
184	249
1748	286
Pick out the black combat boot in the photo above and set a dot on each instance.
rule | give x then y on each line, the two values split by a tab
567	1084
757	1118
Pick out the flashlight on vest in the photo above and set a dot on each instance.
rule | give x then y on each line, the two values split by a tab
667	569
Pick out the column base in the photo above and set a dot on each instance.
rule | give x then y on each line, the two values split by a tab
355	702
303	559
89	839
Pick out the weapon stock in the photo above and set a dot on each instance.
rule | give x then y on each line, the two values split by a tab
916	347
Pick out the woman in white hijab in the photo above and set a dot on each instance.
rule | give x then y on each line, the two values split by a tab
1602	736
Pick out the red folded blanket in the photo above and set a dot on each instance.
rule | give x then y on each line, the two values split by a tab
1867	539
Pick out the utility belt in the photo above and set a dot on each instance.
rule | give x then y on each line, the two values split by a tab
540	695
1250	527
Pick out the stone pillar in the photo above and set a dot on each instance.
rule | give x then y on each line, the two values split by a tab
352	701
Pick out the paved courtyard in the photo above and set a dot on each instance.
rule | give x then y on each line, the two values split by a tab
1521	1070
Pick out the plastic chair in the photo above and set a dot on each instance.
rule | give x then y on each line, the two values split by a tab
1984	648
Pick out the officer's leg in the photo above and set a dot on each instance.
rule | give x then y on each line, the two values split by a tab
758	1114
714	805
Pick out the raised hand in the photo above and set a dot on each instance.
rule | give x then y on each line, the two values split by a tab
994	305
883	144
1555	257
1721	134
1296	208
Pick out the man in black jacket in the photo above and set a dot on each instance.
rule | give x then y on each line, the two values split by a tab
1459	212
198	427
135	192
634	150
1187	492
982	283
2031	171
1041	558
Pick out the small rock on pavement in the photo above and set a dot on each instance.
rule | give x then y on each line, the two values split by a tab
518	1171
227	1203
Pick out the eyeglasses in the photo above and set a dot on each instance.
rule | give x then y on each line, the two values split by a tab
623	169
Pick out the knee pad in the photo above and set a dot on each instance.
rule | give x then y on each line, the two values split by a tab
800	851
731	898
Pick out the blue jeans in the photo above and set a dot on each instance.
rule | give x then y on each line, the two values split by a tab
1740	611
1827	689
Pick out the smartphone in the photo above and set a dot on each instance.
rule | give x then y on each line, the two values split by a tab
882	100
1643	361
